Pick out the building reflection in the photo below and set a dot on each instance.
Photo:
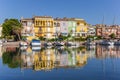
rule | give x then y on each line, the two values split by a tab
107	51
27	58
46	59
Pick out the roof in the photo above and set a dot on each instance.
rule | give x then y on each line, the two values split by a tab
43	17
68	19
26	19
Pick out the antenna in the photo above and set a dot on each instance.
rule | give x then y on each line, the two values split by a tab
103	21
114	20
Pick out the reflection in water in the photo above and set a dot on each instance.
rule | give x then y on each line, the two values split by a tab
11	57
107	51
47	59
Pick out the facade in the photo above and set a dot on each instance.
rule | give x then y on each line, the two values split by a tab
28	27
47	27
81	28
91	30
72	26
63	23
67	26
44	26
57	27
106	31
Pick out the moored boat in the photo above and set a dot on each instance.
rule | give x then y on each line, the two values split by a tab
23	43
70	44
59	43
107	42
35	42
47	44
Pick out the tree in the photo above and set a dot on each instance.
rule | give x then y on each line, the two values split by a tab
112	35
11	58
11	27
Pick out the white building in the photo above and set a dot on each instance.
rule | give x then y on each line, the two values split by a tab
91	31
28	27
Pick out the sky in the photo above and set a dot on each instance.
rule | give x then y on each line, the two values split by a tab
92	11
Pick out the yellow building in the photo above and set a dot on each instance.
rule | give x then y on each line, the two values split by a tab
81	28
44	26
44	60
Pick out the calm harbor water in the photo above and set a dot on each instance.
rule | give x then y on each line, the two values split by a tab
60	63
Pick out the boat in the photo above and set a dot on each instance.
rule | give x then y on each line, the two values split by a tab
23	43
90	42
117	43
35	42
59	43
47	44
107	42
70	44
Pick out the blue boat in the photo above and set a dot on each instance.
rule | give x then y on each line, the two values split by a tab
35	42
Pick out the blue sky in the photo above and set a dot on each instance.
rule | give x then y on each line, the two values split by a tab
90	10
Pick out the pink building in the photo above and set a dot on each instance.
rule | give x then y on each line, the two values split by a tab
63	23
106	31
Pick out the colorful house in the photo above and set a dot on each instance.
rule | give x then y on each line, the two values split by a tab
63	25
81	28
71	26
44	26
105	31
28	27
57	27
91	30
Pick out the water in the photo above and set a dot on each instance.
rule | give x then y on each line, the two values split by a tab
60	63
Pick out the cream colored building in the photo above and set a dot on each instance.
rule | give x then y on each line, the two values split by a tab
28	27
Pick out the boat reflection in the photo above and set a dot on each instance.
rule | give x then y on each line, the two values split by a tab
48	58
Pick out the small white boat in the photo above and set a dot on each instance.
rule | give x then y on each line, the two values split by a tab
70	44
23	43
59	43
47	44
35	42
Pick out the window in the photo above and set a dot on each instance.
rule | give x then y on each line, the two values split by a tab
29	23
63	24
48	29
